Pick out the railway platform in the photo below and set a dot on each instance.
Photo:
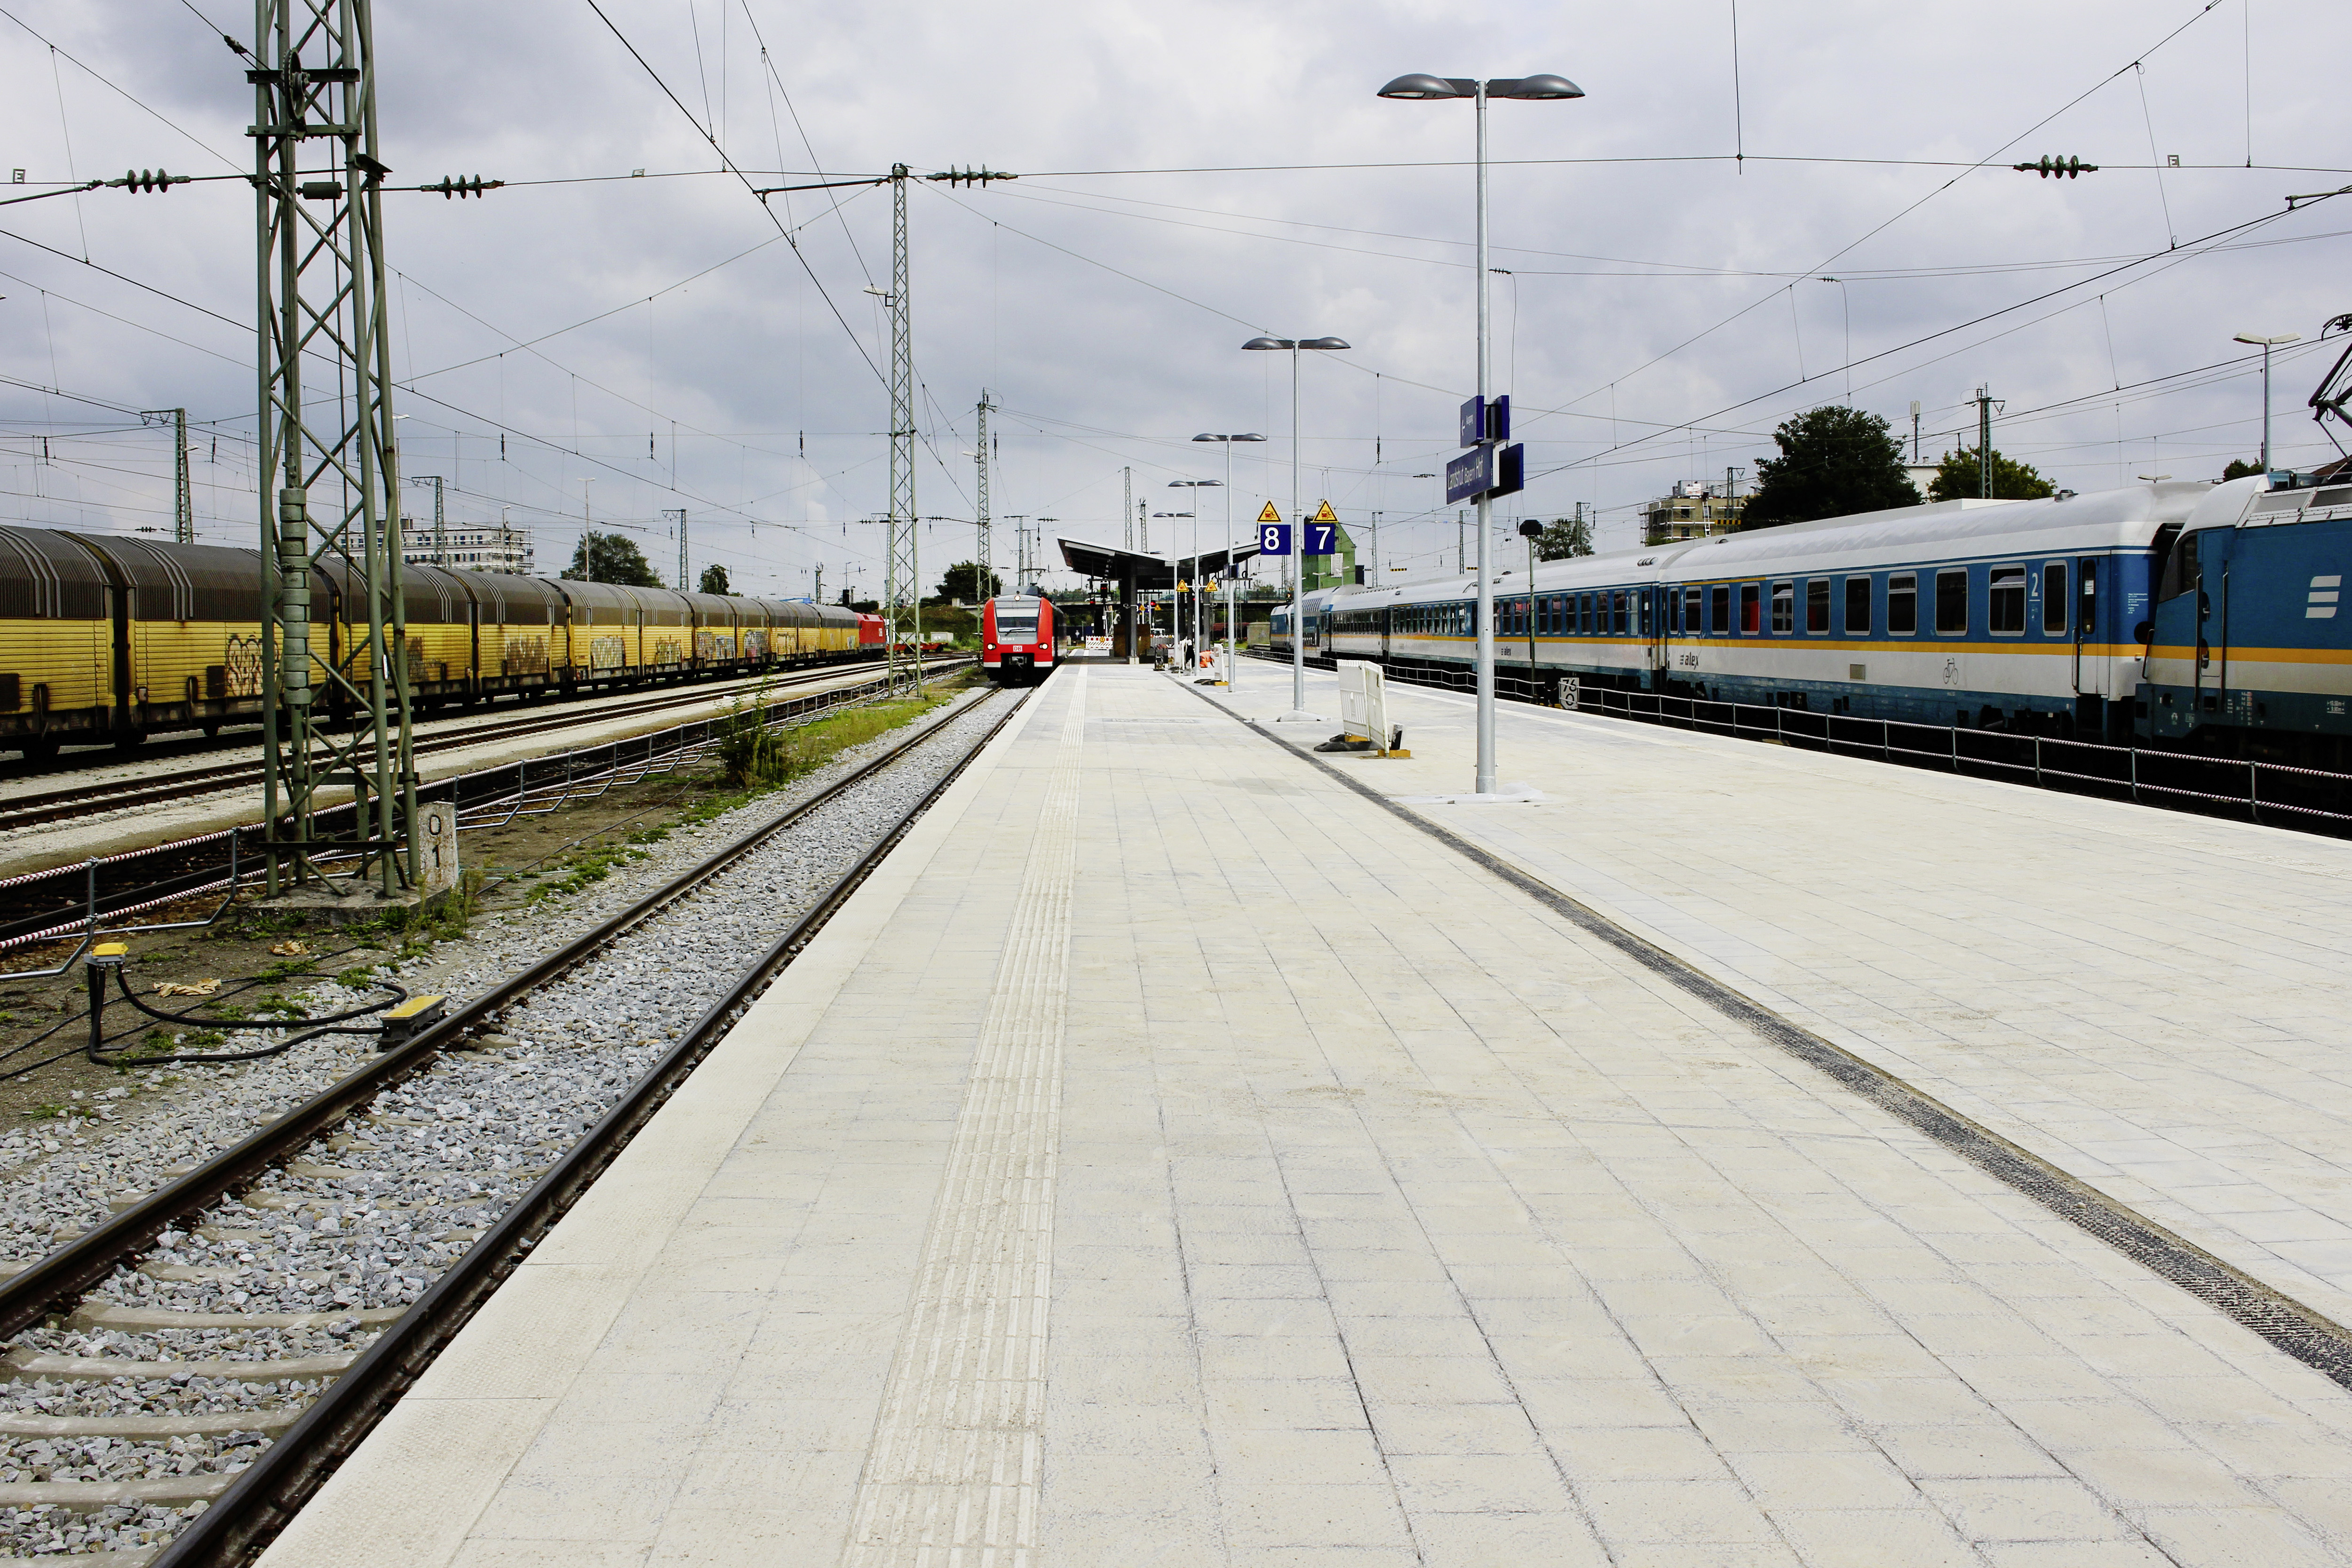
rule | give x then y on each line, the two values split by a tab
1186	1150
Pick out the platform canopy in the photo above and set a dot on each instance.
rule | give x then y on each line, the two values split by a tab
1113	565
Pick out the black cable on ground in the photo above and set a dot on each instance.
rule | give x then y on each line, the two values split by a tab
313	1028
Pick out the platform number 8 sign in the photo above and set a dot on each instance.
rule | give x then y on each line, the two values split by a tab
1274	538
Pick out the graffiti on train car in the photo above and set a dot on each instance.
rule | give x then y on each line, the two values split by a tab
607	653
525	656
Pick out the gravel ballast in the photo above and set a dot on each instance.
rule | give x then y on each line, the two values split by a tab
364	1219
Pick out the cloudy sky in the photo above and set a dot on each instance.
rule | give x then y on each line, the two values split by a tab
1194	173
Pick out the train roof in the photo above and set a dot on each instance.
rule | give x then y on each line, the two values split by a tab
2128	515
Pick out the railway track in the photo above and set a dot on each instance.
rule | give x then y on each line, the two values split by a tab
87	800
315	1267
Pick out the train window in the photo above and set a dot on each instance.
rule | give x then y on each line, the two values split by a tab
1817	607
1694	612
1617	612
1952	603
2180	572
2054	598
1719	608
1857	606
1583	614
1784	607
2005	613
1553	607
1902	605
1750	608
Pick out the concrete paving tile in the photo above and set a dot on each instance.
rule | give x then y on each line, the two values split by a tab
2232	1537
538	1553
1960	1453
1312	1516
1636	1454
1515	1540
1283	1405
1294	1457
2109	1423
1914	1536
1676	1512
2025	1508
1489	1483
1825	1479
2074	1554
1430	1380
1453	1430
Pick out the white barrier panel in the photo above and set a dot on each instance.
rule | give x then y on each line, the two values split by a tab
1364	703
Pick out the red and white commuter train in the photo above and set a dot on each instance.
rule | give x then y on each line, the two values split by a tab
1016	640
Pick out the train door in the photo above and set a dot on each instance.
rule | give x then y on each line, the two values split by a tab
118	605
2213	552
1653	625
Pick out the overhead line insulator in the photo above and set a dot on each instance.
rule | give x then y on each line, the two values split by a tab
979	177
147	180
2062	168
470	186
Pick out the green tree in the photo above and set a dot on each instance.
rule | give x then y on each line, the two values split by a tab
964	583
1563	537
2238	470
609	558
1834	460
714	580
1958	478
867	607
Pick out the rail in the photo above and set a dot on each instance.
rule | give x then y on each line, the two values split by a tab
267	1492
104	890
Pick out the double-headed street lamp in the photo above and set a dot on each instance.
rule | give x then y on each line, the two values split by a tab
1419	86
1298	538
1233	663
2266	345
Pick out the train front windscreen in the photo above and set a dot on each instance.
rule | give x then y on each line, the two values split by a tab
1017	620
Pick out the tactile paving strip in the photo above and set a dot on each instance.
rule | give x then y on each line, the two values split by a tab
953	1471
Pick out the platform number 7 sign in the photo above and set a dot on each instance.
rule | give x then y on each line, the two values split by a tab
1322	533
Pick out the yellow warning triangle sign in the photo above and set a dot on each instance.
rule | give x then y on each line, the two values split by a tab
1325	514
1269	514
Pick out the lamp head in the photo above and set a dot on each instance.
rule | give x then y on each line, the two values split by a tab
1538	87
2259	341
1325	343
1269	343
1420	86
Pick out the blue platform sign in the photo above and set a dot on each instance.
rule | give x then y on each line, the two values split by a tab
1485	419
1474	422
1322	539
1471	474
1273	539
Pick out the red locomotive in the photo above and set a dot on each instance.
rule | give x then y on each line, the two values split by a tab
1016	640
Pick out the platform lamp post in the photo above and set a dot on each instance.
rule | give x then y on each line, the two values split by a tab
1419	88
1298	537
1176	578
1233	659
2266	345
1200	594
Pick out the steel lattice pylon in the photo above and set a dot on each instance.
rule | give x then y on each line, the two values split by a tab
902	599
328	457
980	550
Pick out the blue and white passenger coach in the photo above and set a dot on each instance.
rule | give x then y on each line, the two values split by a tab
2188	614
